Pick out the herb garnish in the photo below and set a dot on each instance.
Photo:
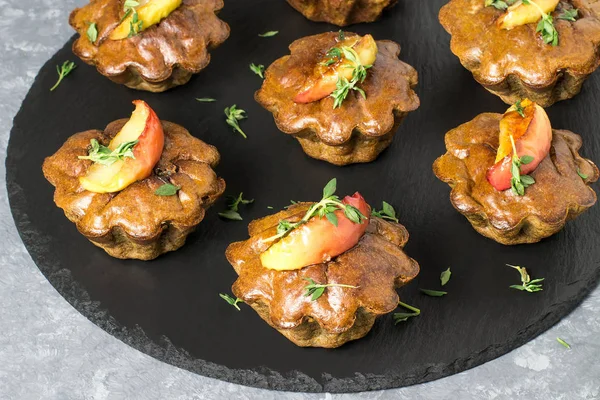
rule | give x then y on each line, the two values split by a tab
569	15
135	25
401	317
519	108
359	74
103	155
581	174
231	300
528	285
445	276
233	116
92	32
433	293
546	25
232	212
387	212
561	341
268	34
316	290
519	182
326	207
64	70
206	99
499	4
258	69
167	189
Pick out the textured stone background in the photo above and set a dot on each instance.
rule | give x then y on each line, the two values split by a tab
49	351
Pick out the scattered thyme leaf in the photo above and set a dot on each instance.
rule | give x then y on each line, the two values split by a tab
581	174
64	70
569	15
234	115
401	317
205	99
232	215
433	293
316	290
270	207
231	300
232	212
519	109
445	276
258	69
527	284
387	212
92	32
103	155
167	189
499	4
268	34
561	341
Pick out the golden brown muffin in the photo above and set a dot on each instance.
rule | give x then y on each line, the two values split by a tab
342	12
135	222
376	265
517	64
157	58
360	129
558	195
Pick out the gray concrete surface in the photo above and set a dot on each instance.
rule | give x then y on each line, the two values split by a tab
49	351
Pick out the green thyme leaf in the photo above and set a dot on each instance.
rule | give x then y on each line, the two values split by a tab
130	4
205	99
527	284
92	32
526	159
316	290
499	4
546	25
331	217
341	36
387	212
232	211
561	341
569	15
103	155
167	189
258	69
343	85
445	276
64	70
330	188
234	115
232	215
519	182
231	300
401	317
433	293
268	34
581	174
519	109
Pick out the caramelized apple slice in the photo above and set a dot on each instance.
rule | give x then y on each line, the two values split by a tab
532	135
325	77
522	14
149	13
318	240
143	126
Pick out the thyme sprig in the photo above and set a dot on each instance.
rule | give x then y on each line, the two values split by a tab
103	155
546	25
387	212
359	74
233	302
527	284
403	316
499	4
258	69
326	207
518	182
234	115
135	25
316	290
569	15
232	212
64	70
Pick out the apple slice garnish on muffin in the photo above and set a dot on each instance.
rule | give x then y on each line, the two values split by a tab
525	139
142	14
341	69
129	157
318	238
523	13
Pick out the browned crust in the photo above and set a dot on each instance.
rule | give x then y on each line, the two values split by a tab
558	195
377	265
360	129
516	64
342	12
158	58
135	222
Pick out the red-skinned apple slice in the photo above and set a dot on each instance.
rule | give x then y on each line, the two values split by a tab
532	135
325	77
318	240
143	126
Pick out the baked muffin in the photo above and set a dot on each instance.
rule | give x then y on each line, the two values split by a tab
342	96
361	264
342	12
148	45
512	207
510	58
142	199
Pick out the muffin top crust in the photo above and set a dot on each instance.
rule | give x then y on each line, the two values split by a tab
388	87
182	39
492	54
342	12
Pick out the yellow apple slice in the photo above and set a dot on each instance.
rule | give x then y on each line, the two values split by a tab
143	126
522	14
150	13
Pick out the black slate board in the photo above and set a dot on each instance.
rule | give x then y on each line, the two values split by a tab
170	308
